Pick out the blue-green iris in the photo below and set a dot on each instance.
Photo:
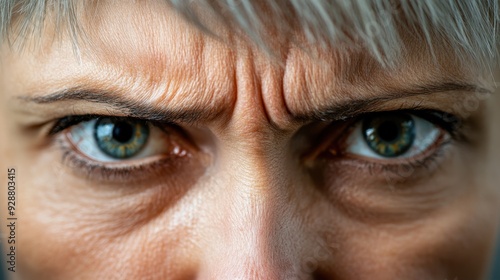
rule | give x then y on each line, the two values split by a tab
120	138
390	134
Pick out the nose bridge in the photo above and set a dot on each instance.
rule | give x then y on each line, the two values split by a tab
257	230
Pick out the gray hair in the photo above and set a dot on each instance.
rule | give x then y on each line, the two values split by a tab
470	27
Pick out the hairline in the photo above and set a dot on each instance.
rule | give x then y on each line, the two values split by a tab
469	27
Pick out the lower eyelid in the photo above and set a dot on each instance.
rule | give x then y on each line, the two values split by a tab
129	171
159	140
402	171
442	140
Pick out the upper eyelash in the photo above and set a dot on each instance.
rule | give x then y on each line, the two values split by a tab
449	122
96	170
68	121
445	121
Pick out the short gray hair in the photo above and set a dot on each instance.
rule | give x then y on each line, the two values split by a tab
470	27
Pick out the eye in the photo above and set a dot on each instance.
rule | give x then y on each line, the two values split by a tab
114	139
392	135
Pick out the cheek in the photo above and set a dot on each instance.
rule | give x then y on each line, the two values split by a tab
114	237
69	221
451	242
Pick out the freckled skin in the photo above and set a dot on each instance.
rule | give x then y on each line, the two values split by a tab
242	205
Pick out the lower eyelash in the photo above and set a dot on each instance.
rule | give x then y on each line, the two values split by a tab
119	173
407	169
430	162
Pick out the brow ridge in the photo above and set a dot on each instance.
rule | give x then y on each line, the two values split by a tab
133	108
338	111
355	107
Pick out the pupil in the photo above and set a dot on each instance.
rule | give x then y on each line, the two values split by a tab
388	131
389	134
123	132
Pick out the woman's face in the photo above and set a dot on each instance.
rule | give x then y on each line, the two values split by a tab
163	153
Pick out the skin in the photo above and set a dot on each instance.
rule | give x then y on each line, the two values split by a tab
253	196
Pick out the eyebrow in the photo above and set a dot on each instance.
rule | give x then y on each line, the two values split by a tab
338	111
133	108
354	107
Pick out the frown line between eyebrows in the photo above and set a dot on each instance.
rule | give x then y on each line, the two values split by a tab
339	111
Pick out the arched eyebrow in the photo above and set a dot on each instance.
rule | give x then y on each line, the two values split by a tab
338	111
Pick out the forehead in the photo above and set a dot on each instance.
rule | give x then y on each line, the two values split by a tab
149	50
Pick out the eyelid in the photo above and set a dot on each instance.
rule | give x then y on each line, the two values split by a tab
83	138
333	137
68	121
170	128
332	160
122	172
178	151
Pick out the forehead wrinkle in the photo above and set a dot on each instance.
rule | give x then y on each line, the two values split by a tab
341	74
154	52
315	77
139	39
